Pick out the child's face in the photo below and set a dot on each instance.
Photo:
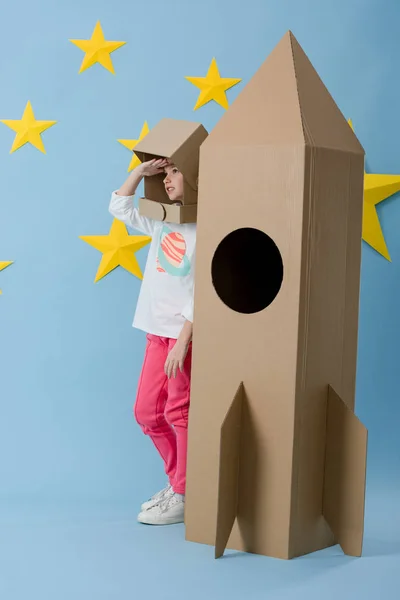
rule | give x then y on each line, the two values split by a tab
173	182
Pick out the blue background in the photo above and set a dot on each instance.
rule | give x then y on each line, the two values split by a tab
73	464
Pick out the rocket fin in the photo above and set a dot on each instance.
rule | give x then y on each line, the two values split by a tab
345	474
228	484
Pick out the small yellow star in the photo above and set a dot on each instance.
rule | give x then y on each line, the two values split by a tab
28	130
118	249
97	50
4	265
213	86
130	144
376	189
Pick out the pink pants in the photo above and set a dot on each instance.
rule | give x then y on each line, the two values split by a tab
162	408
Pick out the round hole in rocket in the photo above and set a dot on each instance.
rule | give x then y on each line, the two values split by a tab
247	270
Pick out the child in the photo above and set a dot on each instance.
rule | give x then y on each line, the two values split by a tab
165	312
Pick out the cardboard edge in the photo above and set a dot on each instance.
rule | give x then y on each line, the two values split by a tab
229	472
291	37
307	134
302	315
345	474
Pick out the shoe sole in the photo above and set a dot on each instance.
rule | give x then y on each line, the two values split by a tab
167	522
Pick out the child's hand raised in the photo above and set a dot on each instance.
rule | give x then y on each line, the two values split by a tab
153	167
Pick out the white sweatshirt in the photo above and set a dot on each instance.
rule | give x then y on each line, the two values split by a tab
166	294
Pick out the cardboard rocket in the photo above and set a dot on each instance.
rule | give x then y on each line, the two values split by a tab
276	456
179	141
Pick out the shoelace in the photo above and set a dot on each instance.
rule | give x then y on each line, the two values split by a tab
168	503
165	491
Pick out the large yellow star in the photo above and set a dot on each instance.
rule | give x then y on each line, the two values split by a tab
118	249
376	188
97	50
4	265
130	144
28	130
212	86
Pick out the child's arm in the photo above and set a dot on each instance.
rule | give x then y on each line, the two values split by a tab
185	336
129	187
176	357
122	201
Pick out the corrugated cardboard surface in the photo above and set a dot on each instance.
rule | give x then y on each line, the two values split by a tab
345	474
229	471
168	212
259	349
327	344
261	167
328	323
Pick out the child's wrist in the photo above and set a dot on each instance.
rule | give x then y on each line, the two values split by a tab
140	170
184	338
183	341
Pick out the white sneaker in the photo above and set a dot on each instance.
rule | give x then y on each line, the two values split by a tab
169	511
156	499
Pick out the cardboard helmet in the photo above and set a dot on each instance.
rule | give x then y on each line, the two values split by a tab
180	142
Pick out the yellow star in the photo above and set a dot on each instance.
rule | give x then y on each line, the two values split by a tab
130	144
212	86
4	265
376	189
118	249
28	130
97	50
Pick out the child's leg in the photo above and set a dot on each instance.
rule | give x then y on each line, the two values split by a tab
151	400
177	414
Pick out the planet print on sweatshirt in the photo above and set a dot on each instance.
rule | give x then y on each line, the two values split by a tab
171	256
